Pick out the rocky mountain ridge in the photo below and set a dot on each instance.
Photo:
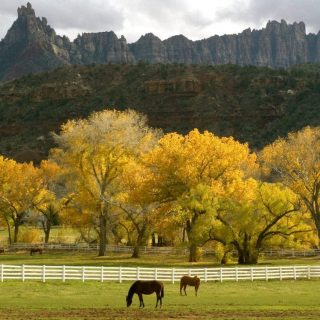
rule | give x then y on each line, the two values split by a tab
32	46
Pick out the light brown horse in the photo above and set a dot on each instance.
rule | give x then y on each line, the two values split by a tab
191	281
145	287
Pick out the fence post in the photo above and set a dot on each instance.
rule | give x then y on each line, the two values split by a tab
280	273
156	273
221	275
172	275
43	273
63	273
101	274
2	272
251	273
205	274
309	273
120	274
266	273
294	273
83	273
22	275
236	272
138	273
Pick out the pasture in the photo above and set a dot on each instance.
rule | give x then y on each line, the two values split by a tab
92	301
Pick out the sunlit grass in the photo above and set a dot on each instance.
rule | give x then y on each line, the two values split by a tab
272	296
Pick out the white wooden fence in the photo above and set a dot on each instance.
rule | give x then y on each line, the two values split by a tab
153	250
86	273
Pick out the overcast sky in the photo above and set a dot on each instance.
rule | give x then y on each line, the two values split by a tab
196	19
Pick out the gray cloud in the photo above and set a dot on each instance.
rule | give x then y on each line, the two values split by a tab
165	18
257	12
98	15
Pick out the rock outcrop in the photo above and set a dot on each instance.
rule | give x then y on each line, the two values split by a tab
31	46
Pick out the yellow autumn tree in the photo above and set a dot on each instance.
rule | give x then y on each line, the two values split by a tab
93	153
253	216
137	204
190	171
295	161
52	202
20	190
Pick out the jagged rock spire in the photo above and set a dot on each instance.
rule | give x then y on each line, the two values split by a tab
26	11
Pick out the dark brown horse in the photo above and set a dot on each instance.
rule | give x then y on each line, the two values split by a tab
35	250
191	281
145	287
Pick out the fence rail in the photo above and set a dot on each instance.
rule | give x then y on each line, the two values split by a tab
86	273
155	250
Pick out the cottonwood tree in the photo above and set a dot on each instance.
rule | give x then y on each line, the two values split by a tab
136	204
253	215
295	161
50	205
20	189
189	170
93	152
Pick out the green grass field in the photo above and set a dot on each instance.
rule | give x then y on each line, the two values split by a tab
94	300
75	300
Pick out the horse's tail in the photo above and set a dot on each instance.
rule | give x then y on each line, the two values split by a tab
162	292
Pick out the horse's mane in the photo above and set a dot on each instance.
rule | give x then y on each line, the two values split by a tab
132	290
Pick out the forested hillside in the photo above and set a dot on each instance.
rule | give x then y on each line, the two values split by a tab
255	105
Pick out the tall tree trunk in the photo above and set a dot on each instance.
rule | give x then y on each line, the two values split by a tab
47	230
193	248
248	256
316	218
140	242
102	235
9	230
224	257
16	231
193	253
136	252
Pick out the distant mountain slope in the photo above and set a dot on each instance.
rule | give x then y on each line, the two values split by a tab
31	46
253	104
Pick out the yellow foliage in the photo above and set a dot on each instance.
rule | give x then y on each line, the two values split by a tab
30	235
295	161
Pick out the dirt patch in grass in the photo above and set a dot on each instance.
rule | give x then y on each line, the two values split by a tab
99	314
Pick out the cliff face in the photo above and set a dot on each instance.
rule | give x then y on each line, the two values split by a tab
31	46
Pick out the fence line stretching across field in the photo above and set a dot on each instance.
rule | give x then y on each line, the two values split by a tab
87	273
155	250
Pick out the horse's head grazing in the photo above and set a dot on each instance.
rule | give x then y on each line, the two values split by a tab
129	301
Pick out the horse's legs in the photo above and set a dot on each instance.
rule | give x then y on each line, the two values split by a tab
180	289
141	300
159	299
196	289
184	288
